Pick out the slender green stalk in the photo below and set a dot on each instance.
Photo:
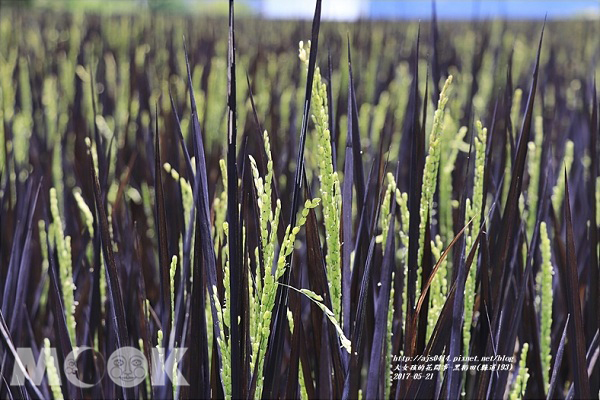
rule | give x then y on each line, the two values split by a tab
302	384
515	111
455	140
220	207
518	390
430	172
265	284
186	192
252	304
473	211
268	223
438	289
385	215
147	378
172	270
224	346
379	115
175	373
402	200
534	168
318	300
63	249
7	67
388	341
270	288
45	260
330	184
88	217
224	316
53	376
23	122
544	289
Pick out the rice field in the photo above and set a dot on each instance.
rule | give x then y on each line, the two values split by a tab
211	207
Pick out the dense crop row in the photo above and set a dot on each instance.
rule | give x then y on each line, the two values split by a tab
318	221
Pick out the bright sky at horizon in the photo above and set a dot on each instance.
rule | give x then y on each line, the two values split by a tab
446	9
